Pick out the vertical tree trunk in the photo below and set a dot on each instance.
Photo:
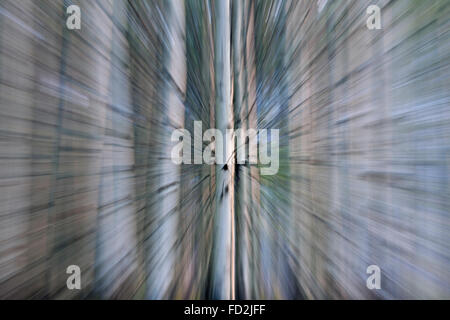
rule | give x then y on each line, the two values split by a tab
165	220
223	274
252	117
116	233
242	180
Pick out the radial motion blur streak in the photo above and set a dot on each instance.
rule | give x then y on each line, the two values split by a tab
87	179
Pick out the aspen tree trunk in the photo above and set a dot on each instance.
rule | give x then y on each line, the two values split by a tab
116	262
163	252
252	188
242	169
145	92
223	251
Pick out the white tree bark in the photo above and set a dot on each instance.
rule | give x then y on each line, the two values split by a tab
223	251
163	252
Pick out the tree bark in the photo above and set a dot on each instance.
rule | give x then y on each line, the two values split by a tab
163	252
223	251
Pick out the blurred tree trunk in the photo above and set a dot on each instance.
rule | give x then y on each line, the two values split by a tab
223	274
251	123
145	56
240	33
116	252
163	233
